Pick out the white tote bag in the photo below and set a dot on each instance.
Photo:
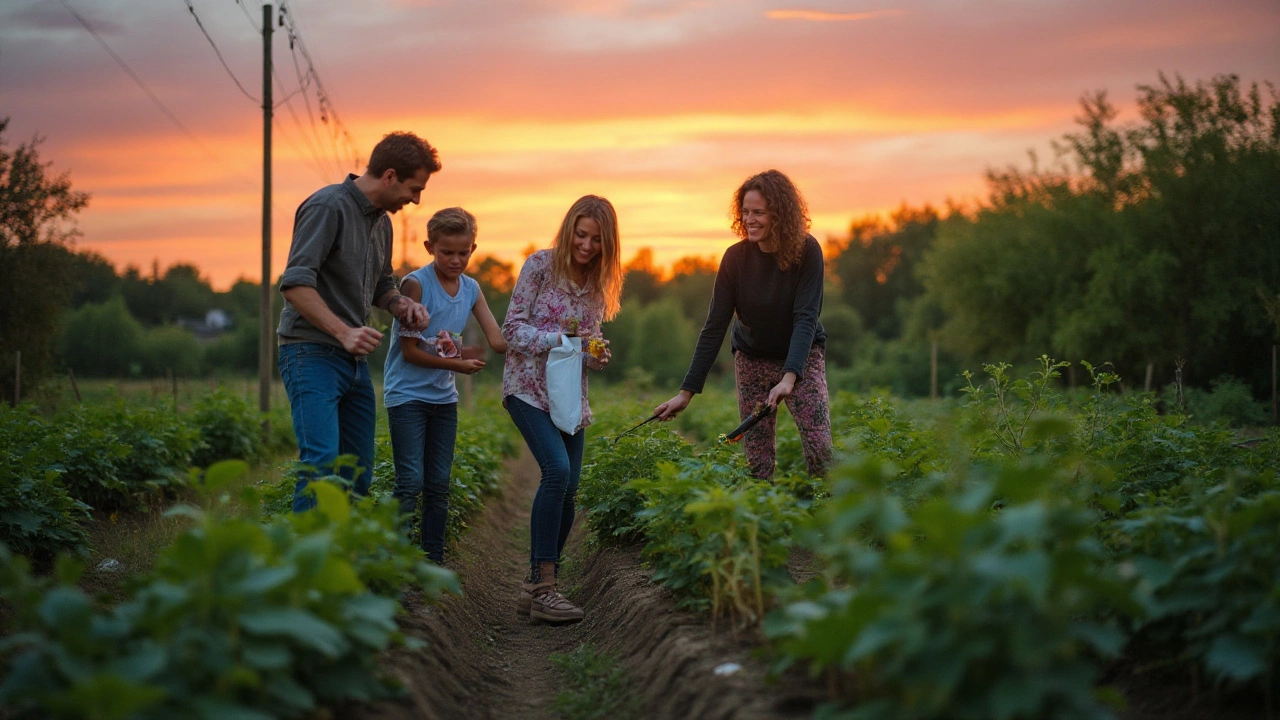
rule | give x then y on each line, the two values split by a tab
564	383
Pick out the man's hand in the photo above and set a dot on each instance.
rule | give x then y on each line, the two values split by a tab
412	315
360	341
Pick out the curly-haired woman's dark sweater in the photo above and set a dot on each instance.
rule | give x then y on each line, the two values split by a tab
777	312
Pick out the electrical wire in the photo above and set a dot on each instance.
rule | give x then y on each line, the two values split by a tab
145	88
324	100
218	52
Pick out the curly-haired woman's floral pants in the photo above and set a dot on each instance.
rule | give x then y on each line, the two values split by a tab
809	405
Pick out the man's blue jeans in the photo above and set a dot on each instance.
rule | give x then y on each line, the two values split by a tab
422	441
559	456
334	413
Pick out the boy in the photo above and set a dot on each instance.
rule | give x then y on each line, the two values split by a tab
419	391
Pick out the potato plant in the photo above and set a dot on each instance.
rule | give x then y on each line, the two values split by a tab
238	618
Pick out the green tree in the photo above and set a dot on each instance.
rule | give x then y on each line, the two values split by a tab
93	279
102	340
875	268
692	281
1145	243
37	211
642	282
171	349
190	295
662	342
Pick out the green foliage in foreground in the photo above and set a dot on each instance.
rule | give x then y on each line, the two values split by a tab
238	619
980	559
990	599
108	458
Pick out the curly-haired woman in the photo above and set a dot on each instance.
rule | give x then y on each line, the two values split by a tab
569	289
772	282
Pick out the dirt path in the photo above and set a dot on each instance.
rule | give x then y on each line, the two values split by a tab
484	661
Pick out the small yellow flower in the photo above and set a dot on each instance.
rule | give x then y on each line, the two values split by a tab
596	347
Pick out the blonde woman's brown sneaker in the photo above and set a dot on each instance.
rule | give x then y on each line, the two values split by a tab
550	606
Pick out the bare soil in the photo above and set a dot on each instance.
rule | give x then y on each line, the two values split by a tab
485	661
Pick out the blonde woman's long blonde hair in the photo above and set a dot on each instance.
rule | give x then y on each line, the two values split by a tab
605	272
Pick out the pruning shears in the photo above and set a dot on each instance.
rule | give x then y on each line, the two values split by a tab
761	412
633	428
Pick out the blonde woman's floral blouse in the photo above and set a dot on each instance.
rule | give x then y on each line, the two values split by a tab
540	310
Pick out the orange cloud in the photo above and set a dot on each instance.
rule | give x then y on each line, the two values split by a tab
823	16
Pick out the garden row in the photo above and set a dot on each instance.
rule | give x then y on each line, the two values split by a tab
110	458
254	612
987	559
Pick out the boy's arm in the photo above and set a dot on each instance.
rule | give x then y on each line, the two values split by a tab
412	351
488	324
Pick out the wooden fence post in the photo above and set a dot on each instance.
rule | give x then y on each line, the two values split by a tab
74	386
933	371
17	377
1151	369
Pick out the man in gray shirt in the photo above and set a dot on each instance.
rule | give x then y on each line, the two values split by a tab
340	265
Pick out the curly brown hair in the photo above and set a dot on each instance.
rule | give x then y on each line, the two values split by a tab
788	213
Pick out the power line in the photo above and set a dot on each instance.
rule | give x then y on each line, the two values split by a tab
285	99
256	27
324	100
218	52
134	76
303	81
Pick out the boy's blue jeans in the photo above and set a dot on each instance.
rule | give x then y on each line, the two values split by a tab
334	413
422	440
559	456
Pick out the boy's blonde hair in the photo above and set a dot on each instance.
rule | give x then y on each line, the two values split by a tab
451	221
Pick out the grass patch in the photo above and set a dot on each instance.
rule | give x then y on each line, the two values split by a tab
125	544
598	687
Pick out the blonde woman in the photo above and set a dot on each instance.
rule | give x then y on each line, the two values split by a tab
570	290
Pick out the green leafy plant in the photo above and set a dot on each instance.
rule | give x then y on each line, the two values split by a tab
1006	406
990	599
605	492
229	429
237	619
1207	567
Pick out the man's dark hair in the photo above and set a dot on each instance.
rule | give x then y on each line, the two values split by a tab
405	153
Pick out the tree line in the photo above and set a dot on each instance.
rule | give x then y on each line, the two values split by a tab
1153	245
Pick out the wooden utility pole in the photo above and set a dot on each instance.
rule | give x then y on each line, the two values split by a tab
264	322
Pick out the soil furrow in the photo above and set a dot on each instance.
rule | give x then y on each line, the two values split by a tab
484	661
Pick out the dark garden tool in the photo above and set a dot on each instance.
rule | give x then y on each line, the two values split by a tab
761	412
633	428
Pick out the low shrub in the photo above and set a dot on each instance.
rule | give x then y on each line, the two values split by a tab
237	619
229	429
989	599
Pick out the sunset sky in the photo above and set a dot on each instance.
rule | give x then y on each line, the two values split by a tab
663	106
